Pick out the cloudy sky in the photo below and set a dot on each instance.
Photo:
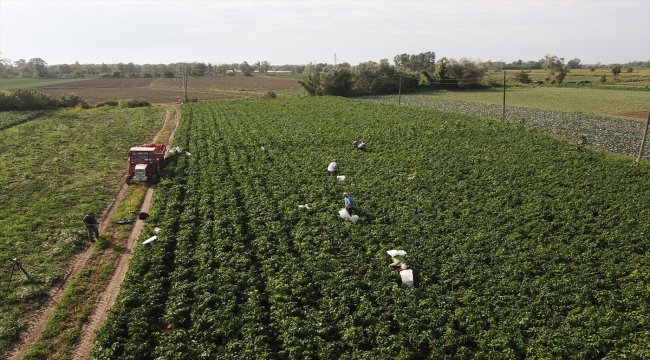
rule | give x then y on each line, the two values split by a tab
303	31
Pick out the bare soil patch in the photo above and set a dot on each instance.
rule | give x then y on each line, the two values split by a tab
633	114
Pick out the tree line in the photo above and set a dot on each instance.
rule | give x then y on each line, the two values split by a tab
38	68
410	72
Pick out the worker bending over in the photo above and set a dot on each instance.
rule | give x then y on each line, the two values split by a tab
349	204
331	168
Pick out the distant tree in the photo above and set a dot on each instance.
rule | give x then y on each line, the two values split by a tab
555	68
574	63
65	69
91	69
312	82
104	69
337	81
630	70
375	78
466	72
38	67
417	62
169	74
246	69
443	70
523	77
224	69
616	70
198	69
131	69
264	67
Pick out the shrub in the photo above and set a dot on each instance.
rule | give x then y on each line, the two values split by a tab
133	103
72	100
523	77
25	99
107	103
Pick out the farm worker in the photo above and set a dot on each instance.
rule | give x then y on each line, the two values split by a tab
349	204
92	226
398	263
331	168
359	145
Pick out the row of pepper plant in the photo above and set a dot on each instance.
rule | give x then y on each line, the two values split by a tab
522	245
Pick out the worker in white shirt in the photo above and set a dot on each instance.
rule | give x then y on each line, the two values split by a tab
331	168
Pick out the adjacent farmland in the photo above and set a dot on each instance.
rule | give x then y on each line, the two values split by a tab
617	135
53	169
166	90
522	245
618	103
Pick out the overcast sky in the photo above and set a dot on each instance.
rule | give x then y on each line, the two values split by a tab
303	31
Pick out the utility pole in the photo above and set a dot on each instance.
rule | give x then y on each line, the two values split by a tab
503	116
185	83
334	59
643	139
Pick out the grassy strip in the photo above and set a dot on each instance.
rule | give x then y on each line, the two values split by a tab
53	170
167	127
130	206
63	330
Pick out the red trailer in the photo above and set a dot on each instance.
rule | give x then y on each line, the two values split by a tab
145	163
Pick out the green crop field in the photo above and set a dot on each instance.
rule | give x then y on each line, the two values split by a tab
24	83
53	169
521	245
584	100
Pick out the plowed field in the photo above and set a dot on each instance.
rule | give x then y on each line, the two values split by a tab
165	90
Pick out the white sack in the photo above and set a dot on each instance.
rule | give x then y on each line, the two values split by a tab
149	240
407	277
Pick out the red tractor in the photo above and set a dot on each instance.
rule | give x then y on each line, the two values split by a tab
145	163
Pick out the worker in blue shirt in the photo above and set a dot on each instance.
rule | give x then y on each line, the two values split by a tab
349	204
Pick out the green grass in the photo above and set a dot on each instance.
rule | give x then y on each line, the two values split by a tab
53	170
639	78
129	208
583	100
12	118
23	83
